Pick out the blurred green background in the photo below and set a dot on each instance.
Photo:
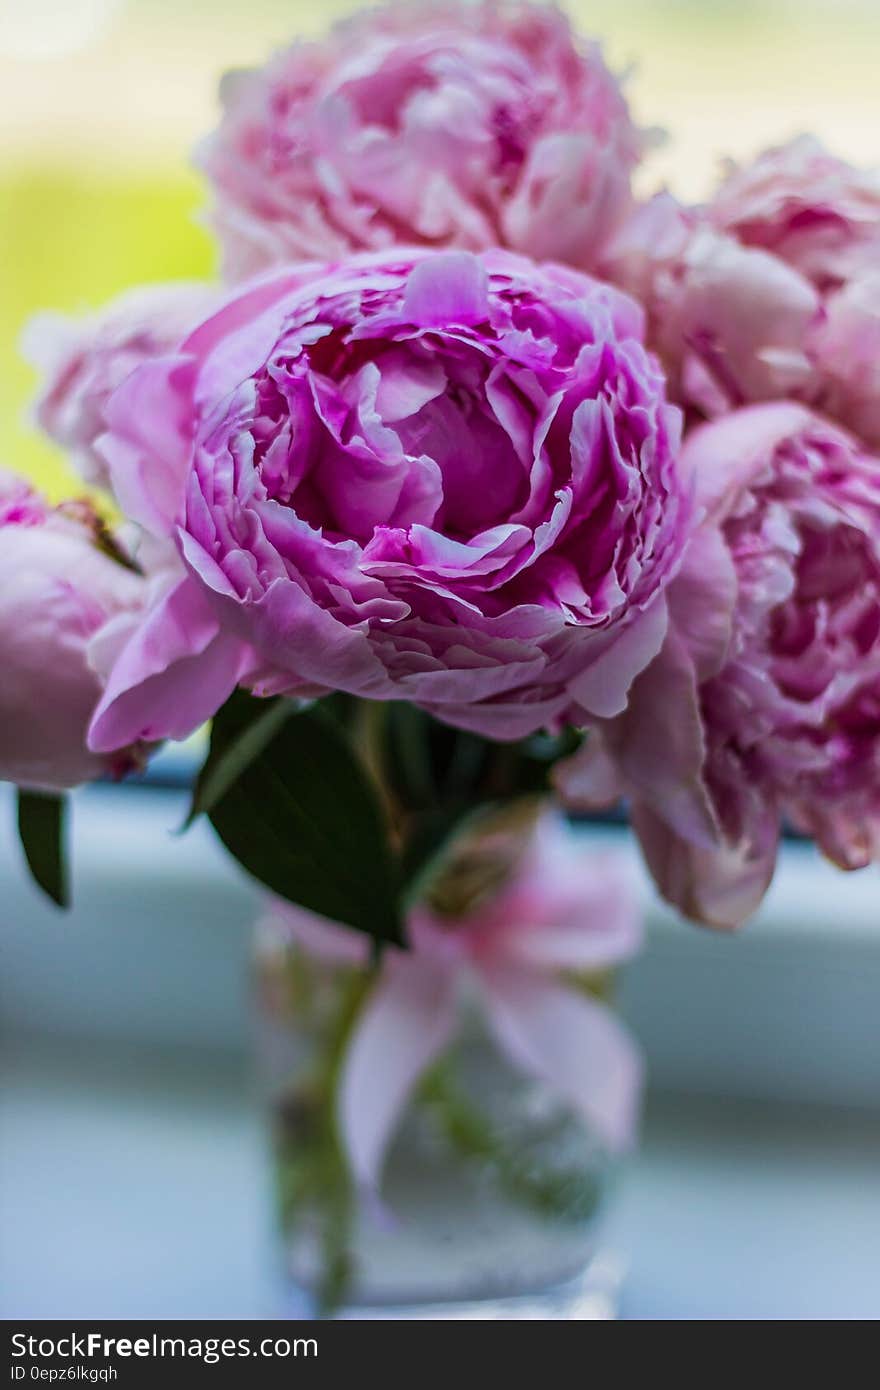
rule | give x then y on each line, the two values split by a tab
103	99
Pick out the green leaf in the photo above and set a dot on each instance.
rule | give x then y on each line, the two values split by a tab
302	816
248	725
41	828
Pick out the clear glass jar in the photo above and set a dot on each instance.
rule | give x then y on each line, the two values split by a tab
492	1189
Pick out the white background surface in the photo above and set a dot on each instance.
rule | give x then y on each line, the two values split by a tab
137	1189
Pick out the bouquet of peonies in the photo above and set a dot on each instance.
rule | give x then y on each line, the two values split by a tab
477	482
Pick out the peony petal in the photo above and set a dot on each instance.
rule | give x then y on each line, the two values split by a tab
701	600
590	779
236	339
603	687
404	1025
719	887
659	746
175	672
449	288
723	457
147	446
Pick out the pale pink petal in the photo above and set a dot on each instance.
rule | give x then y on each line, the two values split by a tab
573	1044
590	779
603	687
567	907
328	942
659	744
701	600
175	672
447	288
147	445
720	887
590	919
724	456
405	1024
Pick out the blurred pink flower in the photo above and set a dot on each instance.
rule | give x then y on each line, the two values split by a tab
421	476
730	323
765	701
82	360
566	909
846	349
59	592
768	292
814	211
438	122
821	217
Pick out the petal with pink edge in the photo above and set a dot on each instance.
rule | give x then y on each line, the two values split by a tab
147	445
722	457
175	672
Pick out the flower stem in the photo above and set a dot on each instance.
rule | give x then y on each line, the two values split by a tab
568	1194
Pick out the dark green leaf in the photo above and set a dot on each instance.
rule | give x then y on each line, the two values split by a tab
303	817
41	827
247	726
429	765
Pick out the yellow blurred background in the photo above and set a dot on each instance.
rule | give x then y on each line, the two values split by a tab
102	101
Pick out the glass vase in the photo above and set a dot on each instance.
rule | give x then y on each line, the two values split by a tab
492	1192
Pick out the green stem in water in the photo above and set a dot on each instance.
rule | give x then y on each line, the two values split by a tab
562	1194
312	1168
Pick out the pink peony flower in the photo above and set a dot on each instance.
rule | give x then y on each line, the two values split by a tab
821	217
565	910
765	702
846	349
423	476
58	593
82	361
730	323
815	212
440	122
771	291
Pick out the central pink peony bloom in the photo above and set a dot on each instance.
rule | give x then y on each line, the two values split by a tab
440	122
431	477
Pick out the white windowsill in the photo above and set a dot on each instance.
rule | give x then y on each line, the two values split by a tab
156	953
133	1188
